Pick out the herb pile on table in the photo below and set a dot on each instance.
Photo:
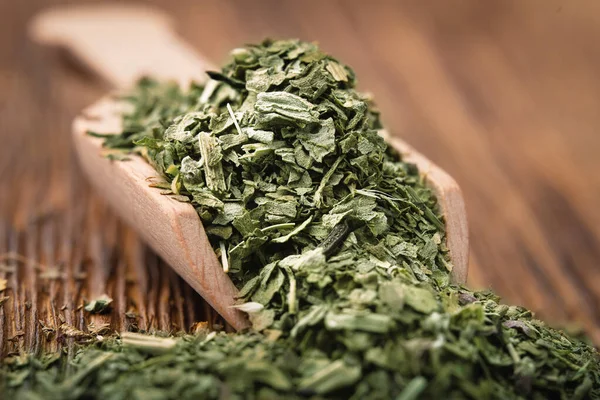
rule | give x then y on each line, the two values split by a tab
338	249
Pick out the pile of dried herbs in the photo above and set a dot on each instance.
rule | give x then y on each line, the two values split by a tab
337	248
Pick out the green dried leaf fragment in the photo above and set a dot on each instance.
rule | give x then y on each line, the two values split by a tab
325	181
366	322
262	320
362	297
337	71
260	135
321	143
267	290
406	249
333	219
223	232
281	108
429	250
185	127
213	169
249	288
392	294
420	299
263	79
331	377
294	232
245	224
230	141
311	260
99	305
230	211
313	81
268	374
249	246
314	316
204	198
413	390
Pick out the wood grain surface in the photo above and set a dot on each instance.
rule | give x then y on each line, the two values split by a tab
504	95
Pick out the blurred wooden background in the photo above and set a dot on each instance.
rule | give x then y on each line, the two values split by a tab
505	95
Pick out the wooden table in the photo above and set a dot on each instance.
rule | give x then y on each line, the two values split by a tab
504	95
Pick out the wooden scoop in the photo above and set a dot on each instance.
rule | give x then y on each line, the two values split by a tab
124	43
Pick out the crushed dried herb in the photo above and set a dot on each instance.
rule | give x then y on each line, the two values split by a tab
337	247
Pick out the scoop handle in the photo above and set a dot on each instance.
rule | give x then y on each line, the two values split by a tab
121	43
